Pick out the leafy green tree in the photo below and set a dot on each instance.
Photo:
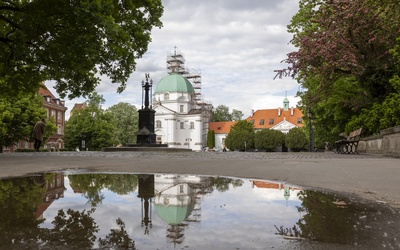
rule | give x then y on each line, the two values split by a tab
92	124
346	69
331	110
18	116
296	140
381	115
73	42
222	114
211	139
269	139
236	115
241	136
126	122
51	128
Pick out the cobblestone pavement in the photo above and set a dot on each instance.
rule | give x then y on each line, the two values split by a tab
205	155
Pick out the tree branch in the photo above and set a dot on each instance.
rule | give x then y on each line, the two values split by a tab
10	8
12	23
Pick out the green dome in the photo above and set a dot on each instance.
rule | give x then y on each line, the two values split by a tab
173	214
174	83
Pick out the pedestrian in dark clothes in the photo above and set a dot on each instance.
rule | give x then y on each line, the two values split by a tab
38	132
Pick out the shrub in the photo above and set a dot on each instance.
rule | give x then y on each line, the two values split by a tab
296	140
269	139
241	132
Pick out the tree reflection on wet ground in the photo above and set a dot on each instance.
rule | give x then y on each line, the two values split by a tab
67	210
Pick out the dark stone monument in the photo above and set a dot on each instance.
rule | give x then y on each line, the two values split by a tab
146	194
146	133
146	138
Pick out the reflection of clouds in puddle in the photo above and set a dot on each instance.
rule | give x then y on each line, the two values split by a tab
241	217
244	212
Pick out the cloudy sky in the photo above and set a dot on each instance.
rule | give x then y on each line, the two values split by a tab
236	44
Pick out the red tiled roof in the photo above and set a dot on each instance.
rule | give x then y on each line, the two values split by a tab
220	127
43	91
78	106
265	184
50	98
268	114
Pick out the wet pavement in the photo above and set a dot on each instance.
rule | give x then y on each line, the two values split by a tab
369	176
77	209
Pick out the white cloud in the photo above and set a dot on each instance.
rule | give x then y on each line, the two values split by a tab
236	44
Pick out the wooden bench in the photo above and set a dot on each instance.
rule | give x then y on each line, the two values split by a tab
349	144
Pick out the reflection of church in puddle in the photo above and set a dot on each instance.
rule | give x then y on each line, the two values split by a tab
177	201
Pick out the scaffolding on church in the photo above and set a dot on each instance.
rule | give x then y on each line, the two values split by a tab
176	64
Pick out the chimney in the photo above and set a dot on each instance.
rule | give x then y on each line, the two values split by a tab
292	111
252	112
279	112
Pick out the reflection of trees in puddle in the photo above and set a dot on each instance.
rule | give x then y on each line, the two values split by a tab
326	221
21	200
326	218
90	185
222	184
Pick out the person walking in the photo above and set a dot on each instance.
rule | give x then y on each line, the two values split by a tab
38	132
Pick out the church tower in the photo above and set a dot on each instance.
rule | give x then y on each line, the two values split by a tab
286	103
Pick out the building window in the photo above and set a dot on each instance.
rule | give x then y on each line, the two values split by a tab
252	121
158	124
182	125
181	108
181	189
262	122
59	130
166	96
271	121
299	120
53	113
191	125
59	116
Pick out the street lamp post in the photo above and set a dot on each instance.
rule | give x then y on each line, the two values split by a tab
310	117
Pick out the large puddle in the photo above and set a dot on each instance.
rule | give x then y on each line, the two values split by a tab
165	211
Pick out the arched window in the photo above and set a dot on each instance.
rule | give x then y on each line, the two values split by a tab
166	96
158	124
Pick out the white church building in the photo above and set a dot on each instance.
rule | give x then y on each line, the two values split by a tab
181	118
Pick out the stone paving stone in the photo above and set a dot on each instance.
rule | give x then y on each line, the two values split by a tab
207	155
